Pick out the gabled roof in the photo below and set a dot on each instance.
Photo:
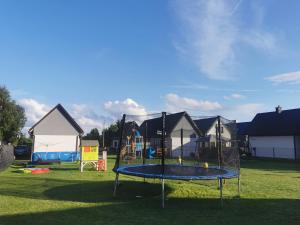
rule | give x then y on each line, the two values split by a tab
205	124
242	128
89	143
285	123
154	125
64	112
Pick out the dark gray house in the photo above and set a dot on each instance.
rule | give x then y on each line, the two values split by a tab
276	134
175	124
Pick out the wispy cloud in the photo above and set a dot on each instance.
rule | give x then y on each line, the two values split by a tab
234	96
212	31
88	118
128	106
175	103
244	112
209	88
288	78
34	110
85	116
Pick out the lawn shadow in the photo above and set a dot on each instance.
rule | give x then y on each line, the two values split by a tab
81	191
176	211
102	191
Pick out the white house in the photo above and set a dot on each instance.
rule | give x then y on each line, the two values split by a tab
208	127
56	137
276	134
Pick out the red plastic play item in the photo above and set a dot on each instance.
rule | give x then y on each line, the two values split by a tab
101	165
39	170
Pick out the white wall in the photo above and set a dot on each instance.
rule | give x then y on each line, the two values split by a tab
189	145
55	143
212	131
283	146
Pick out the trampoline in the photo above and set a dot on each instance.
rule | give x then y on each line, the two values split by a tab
176	172
179	151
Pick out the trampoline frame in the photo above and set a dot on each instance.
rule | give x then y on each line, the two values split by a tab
220	177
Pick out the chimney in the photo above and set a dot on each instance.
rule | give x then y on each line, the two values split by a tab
278	109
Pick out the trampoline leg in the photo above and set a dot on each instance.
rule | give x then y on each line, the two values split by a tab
239	185
163	193
116	184
221	190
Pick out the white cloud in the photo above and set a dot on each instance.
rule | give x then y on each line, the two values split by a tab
234	96
85	116
175	103
212	31
128	106
88	119
288	78
244	112
34	110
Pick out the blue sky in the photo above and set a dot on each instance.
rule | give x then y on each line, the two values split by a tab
104	58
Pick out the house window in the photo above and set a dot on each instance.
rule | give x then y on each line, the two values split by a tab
115	144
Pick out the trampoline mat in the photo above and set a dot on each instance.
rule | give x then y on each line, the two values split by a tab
176	172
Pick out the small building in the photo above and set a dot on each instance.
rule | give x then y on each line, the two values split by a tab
276	134
89	153
208	127
175	124
56	137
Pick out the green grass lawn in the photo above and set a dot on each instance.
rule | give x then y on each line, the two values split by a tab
270	195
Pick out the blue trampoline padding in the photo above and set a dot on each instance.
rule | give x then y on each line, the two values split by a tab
177	172
55	156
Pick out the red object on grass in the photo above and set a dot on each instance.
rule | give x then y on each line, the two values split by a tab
40	170
101	165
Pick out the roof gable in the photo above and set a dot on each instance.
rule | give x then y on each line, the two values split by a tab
205	124
242	128
57	113
285	123
154	125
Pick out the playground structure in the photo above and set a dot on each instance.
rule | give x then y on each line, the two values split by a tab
218	163
89	155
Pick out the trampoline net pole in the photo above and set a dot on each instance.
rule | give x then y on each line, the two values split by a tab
219	141
181	146
239	185
145	142
221	190
117	164
163	193
163	142
116	184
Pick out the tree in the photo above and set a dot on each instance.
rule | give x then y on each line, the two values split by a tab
111	132
23	140
12	118
92	135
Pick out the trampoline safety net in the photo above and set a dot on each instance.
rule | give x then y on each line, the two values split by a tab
177	146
